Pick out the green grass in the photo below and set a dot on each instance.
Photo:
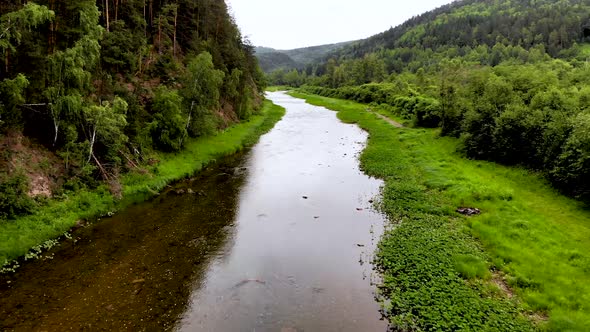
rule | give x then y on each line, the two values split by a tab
19	236
441	268
585	49
278	88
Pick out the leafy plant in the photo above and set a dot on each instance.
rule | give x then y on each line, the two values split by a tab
14	200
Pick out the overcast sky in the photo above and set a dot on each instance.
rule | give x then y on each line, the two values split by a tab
291	24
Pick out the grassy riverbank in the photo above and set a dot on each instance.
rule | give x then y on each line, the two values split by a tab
39	230
276	88
523	264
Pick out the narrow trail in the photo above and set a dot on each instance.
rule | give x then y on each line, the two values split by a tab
388	120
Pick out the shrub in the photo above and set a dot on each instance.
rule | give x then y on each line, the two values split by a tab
14	200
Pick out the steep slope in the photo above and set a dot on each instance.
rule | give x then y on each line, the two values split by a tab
555	24
102	84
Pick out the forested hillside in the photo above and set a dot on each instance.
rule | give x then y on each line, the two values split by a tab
299	58
272	61
89	88
557	25
510	78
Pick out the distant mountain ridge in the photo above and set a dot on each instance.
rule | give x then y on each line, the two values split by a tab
271	59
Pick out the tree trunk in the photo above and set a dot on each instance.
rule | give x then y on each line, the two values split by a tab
198	21
160	34
151	13
105	175
145	19
175	20
107	15
56	127
188	123
92	139
7	62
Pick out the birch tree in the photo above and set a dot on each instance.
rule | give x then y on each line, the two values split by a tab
69	72
105	123
201	90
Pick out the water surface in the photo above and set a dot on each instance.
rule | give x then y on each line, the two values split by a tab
276	239
304	233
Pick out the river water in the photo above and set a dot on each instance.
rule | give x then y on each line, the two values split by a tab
278	238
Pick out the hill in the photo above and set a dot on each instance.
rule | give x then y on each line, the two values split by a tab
96	86
271	59
469	23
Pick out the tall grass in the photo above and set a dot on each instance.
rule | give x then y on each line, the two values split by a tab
17	237
444	271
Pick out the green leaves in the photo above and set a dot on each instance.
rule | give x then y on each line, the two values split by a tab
11	96
13	24
168	128
14	200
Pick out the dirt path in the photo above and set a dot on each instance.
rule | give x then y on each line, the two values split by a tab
388	120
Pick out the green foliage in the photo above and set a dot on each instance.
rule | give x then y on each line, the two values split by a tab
471	266
427	257
82	53
14	200
105	124
168	128
201	92
58	216
11	96
120	48
557	25
15	23
573	165
69	71
538	238
511	113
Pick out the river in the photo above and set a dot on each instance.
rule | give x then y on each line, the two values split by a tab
277	238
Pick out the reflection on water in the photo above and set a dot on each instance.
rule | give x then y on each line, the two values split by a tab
134	271
276	239
304	234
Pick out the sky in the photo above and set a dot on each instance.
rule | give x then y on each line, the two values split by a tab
288	24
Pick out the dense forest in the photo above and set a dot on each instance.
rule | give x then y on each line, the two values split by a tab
97	85
510	78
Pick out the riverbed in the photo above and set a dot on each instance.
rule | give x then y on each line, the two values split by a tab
277	238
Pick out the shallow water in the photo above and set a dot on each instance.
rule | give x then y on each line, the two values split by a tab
275	239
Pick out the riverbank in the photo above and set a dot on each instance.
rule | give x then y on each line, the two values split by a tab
520	265
29	236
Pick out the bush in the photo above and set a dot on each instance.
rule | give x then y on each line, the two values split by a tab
572	170
14	200
169	125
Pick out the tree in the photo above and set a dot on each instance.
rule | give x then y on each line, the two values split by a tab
12	26
11	96
105	123
572	170
200	92
69	73
168	128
